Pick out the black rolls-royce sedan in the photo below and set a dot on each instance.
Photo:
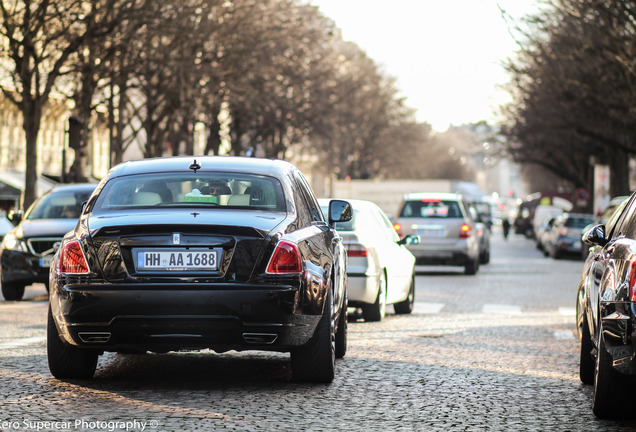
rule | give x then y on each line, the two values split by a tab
224	253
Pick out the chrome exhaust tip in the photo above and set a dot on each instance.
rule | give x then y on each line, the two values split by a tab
260	338
94	337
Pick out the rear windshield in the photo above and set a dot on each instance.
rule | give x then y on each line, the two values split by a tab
578	222
341	226
234	190
431	209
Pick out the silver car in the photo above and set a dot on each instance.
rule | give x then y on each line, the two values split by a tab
448	234
380	268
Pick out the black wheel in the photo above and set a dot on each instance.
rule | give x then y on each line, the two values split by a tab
484	258
341	333
65	361
609	388
377	310
406	306
471	266
316	361
12	291
586	360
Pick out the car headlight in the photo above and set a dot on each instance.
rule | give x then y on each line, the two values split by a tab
11	242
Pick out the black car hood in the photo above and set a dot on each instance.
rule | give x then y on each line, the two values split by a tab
46	227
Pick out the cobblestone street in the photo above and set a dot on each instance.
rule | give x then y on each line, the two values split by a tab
492	352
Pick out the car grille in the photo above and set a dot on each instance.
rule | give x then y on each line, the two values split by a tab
43	246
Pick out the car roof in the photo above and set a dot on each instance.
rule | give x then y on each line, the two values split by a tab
434	195
258	166
73	187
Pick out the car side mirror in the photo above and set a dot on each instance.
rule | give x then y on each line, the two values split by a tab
411	239
15	217
595	236
339	211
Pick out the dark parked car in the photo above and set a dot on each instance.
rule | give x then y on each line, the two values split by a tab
28	249
565	236
222	253
606	313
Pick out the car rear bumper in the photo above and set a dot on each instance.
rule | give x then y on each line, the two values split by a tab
362	288
124	318
619	330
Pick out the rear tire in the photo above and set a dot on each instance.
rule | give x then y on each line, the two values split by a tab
316	361
341	333
471	266
66	361
609	385
406	306
377	310
484	258
12	291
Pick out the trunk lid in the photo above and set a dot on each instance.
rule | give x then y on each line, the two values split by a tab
170	244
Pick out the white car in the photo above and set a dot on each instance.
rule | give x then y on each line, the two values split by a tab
380	269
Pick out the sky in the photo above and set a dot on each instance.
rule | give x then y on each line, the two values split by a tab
445	54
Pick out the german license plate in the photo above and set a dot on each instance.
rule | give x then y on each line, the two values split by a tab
45	261
430	232
177	260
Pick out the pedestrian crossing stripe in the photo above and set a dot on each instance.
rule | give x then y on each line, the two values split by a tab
489	308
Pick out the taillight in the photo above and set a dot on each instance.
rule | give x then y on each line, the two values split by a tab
285	259
72	260
464	231
398	229
632	281
356	250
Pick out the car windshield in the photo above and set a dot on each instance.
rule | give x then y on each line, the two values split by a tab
431	209
64	204
227	190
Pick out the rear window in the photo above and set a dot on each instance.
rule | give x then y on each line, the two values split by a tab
578	222
341	226
234	190
431	209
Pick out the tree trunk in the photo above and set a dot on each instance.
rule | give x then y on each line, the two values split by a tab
619	172
31	126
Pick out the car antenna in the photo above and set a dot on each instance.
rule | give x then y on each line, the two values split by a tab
195	166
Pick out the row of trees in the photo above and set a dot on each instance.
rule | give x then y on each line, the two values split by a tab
574	91
277	69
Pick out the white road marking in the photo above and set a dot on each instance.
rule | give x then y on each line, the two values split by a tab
567	311
17	343
501	309
428	307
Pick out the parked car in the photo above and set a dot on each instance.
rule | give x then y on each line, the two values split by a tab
216	253
380	269
606	313
542	212
543	231
27	250
565	236
448	234
483	232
